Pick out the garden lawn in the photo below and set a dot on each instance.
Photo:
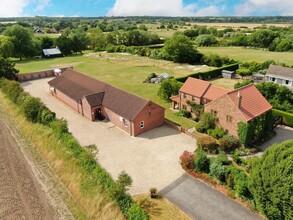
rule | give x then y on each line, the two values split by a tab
123	71
248	54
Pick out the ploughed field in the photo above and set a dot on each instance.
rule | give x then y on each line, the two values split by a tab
21	196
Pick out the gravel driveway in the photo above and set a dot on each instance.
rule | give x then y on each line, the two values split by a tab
151	159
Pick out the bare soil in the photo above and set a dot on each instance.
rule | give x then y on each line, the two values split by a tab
23	195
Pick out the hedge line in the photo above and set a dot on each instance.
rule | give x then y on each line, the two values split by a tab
209	74
287	117
36	112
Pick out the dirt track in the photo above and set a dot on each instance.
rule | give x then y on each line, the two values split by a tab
21	196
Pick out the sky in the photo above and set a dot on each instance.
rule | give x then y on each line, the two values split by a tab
94	8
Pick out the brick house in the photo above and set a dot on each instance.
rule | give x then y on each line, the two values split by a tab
230	107
97	100
198	91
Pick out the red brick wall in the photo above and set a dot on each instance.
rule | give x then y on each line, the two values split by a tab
87	110
64	98
224	106
152	115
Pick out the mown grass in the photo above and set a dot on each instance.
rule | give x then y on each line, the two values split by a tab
160	208
87	200
123	71
248	54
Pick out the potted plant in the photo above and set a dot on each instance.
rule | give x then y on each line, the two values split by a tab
153	193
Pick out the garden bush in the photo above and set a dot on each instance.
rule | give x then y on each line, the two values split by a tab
201	161
217	132
217	169
32	109
208	144
136	213
241	84
229	143
287	117
184	113
200	128
47	116
222	157
187	160
207	120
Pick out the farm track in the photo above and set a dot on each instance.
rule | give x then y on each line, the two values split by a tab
21	196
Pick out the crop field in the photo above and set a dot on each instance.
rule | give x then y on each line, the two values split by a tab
123	71
248	54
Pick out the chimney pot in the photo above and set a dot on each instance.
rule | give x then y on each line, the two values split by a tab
239	99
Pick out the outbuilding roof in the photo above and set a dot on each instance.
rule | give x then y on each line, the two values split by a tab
51	51
77	86
280	71
252	104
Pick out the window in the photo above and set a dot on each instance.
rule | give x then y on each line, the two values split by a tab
184	95
287	82
272	79
125	123
193	98
142	124
229	118
214	112
184	107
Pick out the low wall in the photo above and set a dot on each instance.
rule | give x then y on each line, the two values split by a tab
39	74
179	128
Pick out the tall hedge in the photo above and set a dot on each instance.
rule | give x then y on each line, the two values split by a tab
287	117
271	181
209	74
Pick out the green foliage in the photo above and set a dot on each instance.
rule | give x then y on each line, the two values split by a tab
246	132
217	169
124	181
222	158
169	88
136	213
184	113
206	40
97	39
228	143
208	144
64	43
215	73
201	161
217	133
6	46
197	109
241	84
287	117
280	97
47	42
244	72
180	49
262	38
216	60
271	181
207	121
31	108
7	69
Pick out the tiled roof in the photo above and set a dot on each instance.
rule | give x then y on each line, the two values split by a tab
95	99
195	87
214	92
175	98
77	85
282	72
253	103
200	88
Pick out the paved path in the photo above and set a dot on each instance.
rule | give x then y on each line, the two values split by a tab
202	202
151	159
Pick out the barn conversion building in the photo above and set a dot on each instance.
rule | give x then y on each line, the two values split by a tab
97	100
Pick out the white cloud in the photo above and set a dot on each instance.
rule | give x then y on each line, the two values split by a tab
42	4
12	8
265	7
159	8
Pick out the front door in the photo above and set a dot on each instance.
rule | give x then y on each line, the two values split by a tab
98	114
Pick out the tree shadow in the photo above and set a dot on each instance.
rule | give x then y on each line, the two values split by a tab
151	206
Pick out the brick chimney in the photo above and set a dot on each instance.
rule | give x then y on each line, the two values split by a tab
239	99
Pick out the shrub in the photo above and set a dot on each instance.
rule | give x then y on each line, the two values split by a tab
222	157
200	128
124	181
287	117
201	161
59	126
187	160
217	132
207	120
208	144
46	116
31	108
236	158
217	169
241	84
228	143
169	88
246	132
184	113
136	213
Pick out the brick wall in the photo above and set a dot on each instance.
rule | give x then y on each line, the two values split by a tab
64	98
225	107
39	74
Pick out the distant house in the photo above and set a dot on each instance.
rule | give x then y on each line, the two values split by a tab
52	52
97	100
280	75
230	107
198	91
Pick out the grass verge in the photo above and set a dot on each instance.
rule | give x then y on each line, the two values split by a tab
160	208
86	200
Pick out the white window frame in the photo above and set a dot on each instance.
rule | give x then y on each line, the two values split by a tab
289	82
142	124
271	79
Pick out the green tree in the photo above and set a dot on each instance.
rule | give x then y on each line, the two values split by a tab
7	69
243	72
97	39
180	49
271	181
64	44
47	42
169	88
79	40
22	38
206	40
6	46
262	38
